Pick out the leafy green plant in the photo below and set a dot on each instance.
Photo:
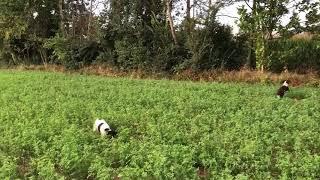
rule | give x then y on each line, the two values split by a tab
298	95
300	55
167	129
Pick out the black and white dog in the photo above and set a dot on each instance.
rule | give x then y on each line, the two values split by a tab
101	126
283	89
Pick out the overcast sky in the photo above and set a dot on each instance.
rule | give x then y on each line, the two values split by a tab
232	11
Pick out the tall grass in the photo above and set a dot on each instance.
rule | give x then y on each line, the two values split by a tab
310	78
294	54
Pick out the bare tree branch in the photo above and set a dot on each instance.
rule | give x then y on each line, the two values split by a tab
224	15
248	4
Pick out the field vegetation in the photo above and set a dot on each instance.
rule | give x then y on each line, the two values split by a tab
167	129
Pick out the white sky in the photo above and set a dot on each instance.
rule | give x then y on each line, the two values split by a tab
232	11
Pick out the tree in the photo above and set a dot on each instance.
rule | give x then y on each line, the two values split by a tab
259	23
211	44
312	10
293	27
13	16
62	18
169	16
24	24
188	16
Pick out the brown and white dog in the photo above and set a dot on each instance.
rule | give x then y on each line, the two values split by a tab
101	126
283	89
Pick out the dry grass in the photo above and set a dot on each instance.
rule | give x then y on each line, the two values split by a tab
303	35
50	68
248	76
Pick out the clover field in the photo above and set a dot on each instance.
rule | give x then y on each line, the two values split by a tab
166	129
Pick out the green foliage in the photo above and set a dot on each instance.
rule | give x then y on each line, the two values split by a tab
7	166
130	34
213	47
13	18
137	36
72	53
88	52
130	54
61	49
166	55
259	24
300	55
23	50
22	33
298	95
312	15
167	130
293	27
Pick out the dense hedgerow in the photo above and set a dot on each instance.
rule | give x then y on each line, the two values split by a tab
296	55
167	129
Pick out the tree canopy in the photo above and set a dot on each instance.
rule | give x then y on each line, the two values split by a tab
156	35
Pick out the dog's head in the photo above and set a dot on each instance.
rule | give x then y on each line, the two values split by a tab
285	83
112	133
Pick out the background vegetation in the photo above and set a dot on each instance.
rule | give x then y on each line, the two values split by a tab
167	129
159	35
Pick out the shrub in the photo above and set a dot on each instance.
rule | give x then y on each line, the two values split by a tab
60	49
23	50
214	47
295	55
72	53
130	54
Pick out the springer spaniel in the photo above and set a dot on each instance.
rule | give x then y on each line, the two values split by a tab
101	126
283	89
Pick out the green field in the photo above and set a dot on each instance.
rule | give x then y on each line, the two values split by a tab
167	129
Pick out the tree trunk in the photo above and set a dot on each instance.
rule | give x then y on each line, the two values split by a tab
90	18
173	32
43	55
188	9
62	30
259	33
188	16
250	60
14	59
193	9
